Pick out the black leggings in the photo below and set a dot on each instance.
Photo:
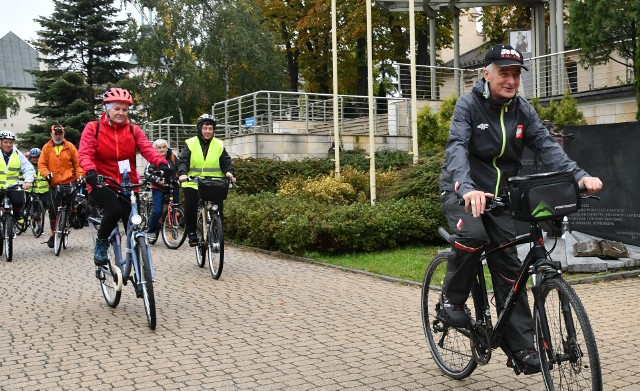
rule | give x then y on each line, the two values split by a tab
114	208
191	208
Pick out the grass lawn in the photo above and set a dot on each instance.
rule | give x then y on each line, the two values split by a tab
407	263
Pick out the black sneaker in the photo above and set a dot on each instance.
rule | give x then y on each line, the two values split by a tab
528	360
50	242
193	239
455	314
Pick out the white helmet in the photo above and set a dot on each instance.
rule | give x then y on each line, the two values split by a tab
5	134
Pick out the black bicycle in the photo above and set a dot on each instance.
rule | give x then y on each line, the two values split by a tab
210	230
7	221
67	194
33	214
563	335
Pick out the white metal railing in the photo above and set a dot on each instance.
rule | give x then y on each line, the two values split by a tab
268	111
548	75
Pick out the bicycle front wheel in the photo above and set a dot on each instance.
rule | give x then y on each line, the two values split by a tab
215	242
450	346
8	237
201	248
37	218
58	237
146	283
569	359
109	283
173	228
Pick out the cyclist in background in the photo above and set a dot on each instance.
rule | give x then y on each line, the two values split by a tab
158	188
41	185
59	165
491	125
12	165
108	147
204	156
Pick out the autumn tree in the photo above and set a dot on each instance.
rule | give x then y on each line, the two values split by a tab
193	53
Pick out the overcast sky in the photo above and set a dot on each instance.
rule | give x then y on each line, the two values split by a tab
20	14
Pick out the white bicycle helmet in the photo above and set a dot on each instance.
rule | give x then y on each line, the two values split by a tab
5	134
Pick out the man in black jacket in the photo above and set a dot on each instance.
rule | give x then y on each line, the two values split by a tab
491	125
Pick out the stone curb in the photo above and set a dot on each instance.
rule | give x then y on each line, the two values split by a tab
582	280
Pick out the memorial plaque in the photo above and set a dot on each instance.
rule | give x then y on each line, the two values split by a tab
611	152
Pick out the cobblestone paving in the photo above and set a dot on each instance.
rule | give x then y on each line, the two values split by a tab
269	323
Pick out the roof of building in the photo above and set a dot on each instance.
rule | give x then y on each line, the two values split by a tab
16	57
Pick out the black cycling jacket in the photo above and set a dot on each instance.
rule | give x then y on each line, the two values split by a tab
487	139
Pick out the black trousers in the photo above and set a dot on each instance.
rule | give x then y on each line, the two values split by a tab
114	206
55	200
472	236
191	209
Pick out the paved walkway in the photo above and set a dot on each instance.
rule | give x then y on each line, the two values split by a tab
269	323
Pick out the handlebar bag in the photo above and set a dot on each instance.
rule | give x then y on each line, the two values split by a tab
540	197
213	190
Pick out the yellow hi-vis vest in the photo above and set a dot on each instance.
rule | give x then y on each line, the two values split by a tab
41	185
10	173
199	166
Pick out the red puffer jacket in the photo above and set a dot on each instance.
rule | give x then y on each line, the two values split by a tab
115	143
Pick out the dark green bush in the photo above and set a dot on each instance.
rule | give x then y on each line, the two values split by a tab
296	225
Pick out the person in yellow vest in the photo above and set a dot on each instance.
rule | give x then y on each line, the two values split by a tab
59	165
204	155
40	185
12	165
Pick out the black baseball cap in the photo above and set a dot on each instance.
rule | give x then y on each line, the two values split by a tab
504	55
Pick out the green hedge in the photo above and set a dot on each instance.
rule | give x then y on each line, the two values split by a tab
296	225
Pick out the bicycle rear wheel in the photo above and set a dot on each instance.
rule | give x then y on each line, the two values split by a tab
173	228
570	359
58	237
215	241
146	284
450	347
37	218
8	237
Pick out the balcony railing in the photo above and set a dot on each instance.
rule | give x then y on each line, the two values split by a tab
549	75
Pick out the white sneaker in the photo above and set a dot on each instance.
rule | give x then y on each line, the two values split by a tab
151	236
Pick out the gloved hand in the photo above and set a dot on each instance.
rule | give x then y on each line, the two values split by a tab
183	178
92	178
167	172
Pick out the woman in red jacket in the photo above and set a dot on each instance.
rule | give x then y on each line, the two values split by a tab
117	140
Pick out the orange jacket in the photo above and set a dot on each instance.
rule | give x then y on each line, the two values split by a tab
65	166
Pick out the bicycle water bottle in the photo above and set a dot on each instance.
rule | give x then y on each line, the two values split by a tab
125	182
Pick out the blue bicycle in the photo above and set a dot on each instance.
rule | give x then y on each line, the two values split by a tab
138	254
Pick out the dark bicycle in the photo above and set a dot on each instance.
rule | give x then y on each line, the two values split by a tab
210	230
7	221
563	335
66	193
33	214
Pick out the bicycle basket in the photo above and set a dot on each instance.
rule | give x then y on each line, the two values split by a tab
212	190
540	197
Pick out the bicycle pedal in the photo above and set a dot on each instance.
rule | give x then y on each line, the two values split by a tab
100	273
